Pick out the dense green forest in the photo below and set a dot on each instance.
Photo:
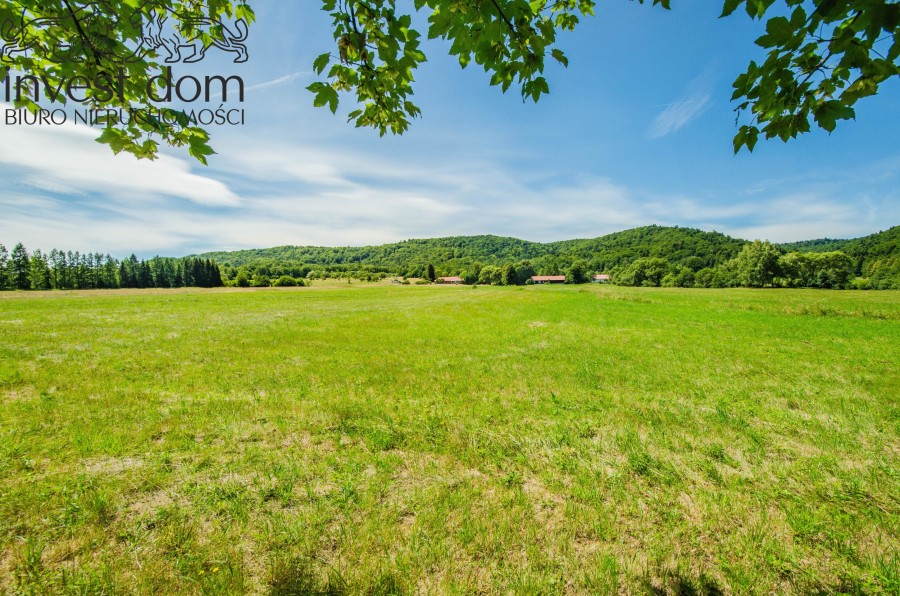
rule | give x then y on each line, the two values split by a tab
67	270
876	256
460	252
651	256
647	256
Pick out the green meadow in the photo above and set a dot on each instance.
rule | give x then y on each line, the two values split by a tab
379	439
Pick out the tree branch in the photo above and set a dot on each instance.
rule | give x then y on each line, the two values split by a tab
82	33
512	28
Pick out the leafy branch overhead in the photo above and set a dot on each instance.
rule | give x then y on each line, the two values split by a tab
823	56
378	50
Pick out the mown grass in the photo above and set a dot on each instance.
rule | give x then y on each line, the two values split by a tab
390	440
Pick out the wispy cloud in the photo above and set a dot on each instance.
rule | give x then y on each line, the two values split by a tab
692	104
64	191
63	159
279	81
267	84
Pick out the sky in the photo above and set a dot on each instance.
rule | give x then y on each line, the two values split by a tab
637	131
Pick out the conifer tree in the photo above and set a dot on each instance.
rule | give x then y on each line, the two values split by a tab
38	272
4	261
19	264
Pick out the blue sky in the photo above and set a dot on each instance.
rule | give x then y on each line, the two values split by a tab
636	131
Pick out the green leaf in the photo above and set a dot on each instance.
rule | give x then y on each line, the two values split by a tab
747	136
779	29
325	95
829	112
730	7
321	62
560	57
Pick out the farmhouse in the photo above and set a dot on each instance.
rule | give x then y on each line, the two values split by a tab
549	279
450	280
600	279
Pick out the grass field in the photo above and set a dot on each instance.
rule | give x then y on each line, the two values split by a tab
388	440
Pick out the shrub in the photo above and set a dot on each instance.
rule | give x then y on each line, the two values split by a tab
578	273
704	277
285	281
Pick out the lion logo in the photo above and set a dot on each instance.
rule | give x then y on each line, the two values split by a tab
19	38
160	33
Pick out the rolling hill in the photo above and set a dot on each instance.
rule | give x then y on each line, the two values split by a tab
687	247
620	248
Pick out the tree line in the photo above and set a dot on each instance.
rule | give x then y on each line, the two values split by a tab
647	256
762	264
67	270
758	264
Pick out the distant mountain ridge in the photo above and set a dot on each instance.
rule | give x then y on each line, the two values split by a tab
676	244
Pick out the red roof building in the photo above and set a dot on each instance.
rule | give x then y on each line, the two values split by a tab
549	279
450	280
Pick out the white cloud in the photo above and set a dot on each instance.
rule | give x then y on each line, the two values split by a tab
267	84
63	159
677	115
65	191
808	216
279	81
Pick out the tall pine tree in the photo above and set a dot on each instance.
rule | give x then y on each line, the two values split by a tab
18	267
4	261
38	272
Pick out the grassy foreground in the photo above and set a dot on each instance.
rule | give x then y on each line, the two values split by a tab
388	440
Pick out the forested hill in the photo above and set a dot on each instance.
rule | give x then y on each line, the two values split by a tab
647	256
677	245
621	248
465	249
679	253
868	248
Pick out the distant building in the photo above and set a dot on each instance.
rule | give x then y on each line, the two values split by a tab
601	279
549	279
450	280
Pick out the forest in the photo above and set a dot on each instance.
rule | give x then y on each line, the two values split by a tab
648	256
67	270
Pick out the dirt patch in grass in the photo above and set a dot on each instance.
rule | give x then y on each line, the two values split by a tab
20	394
112	465
152	503
549	507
